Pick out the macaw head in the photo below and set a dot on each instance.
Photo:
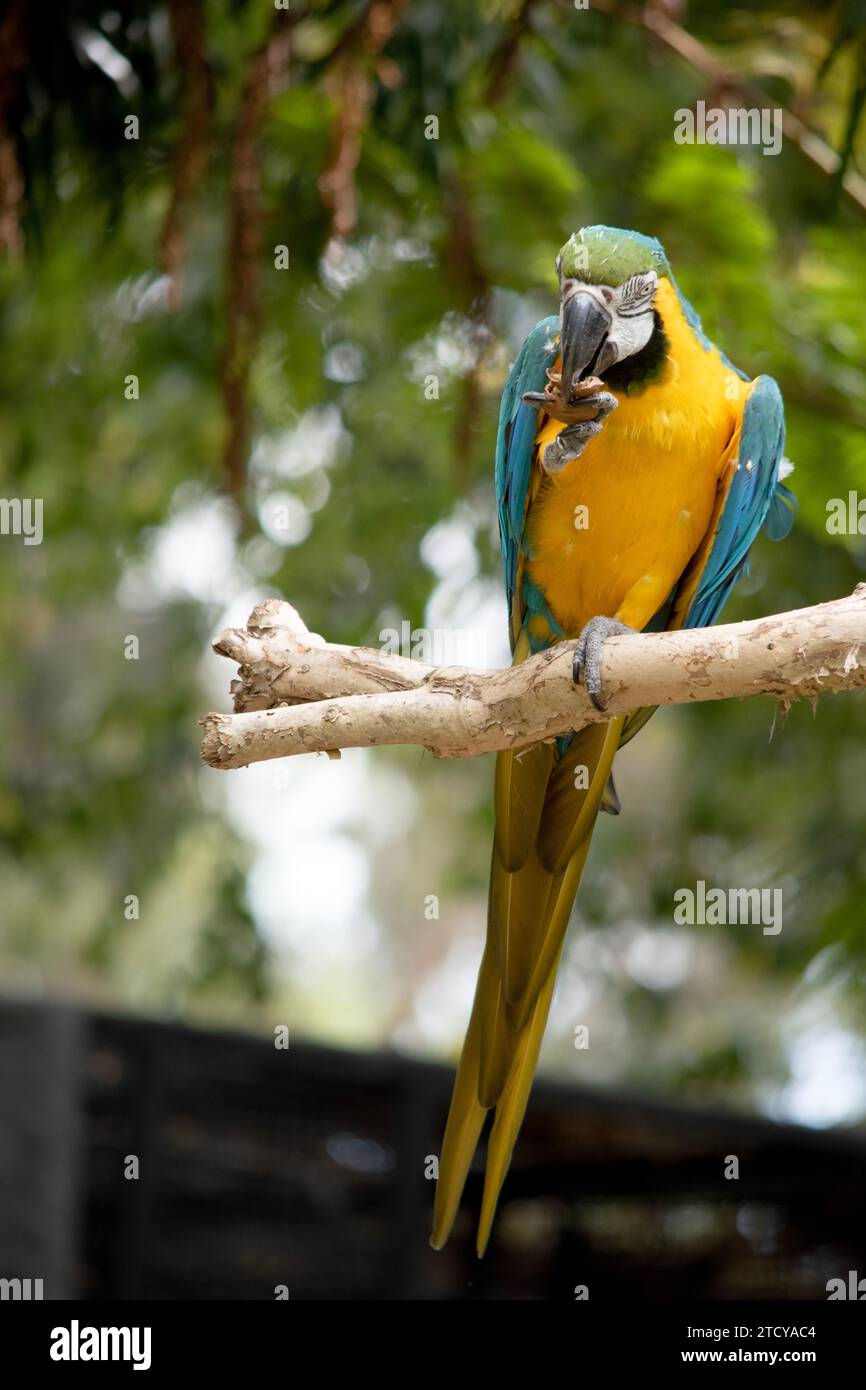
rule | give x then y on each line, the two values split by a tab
607	282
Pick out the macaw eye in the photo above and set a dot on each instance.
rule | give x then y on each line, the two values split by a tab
635	295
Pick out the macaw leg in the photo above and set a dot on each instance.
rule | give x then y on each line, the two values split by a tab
587	654
568	445
571	442
643	599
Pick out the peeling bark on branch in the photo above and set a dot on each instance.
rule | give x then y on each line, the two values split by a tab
297	693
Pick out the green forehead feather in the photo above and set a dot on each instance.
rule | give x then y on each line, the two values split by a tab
611	255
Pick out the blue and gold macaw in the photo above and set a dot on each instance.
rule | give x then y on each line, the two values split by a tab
630	507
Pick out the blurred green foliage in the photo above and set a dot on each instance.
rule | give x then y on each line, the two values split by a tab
450	263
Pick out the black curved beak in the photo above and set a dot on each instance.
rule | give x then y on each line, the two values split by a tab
583	328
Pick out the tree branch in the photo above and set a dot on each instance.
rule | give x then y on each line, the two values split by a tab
297	693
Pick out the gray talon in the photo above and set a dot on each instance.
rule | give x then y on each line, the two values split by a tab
603	402
588	652
571	442
568	445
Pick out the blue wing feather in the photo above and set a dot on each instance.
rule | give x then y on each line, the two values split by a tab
755	497
515	441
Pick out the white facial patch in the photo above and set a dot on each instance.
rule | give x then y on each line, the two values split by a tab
631	307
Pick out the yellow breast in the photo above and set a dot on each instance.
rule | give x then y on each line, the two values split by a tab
623	520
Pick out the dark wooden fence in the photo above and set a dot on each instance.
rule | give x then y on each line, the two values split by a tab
261	1169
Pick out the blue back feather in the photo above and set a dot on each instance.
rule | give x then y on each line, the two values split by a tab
756	497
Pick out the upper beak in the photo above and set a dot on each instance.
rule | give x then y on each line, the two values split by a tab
584	325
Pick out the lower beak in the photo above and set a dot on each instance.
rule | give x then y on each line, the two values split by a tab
584	325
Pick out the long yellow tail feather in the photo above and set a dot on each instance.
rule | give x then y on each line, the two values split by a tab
465	1122
529	907
510	1111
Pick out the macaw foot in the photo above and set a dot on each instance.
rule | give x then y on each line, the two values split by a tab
583	419
568	445
587	655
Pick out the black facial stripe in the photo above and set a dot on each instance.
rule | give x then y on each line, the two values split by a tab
644	367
